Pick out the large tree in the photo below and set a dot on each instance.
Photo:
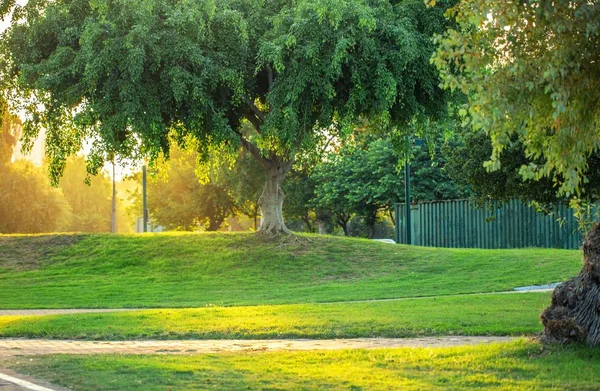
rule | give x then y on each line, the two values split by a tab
130	74
530	71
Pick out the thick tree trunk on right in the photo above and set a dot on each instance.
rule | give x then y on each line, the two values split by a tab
574	315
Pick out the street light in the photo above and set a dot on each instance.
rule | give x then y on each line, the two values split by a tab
407	193
114	201
145	199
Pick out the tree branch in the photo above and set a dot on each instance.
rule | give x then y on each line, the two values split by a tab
255	110
270	75
254	121
253	149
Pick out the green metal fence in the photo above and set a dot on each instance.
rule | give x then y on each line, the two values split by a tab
459	223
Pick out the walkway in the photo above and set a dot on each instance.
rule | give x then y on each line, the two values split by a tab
31	347
11	381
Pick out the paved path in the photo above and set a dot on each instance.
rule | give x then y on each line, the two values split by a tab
30	347
11	381
41	312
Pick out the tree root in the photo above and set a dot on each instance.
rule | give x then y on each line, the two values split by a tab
574	315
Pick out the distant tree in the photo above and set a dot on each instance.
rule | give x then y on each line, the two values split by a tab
178	200
361	179
10	131
431	179
245	183
331	187
91	203
466	166
28	204
367	178
133	73
299	189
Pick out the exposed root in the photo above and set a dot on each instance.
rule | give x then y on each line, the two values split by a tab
574	315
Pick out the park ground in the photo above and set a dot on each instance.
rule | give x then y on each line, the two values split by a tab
241	287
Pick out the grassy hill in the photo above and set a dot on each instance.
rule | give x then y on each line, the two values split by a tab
192	270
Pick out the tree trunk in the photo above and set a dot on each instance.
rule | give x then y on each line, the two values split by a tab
574	315
272	197
322	225
214	224
371	221
344	224
307	222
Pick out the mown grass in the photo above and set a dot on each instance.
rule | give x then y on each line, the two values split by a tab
521	365
192	270
506	314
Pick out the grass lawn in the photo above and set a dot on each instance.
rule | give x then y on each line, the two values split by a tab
194	270
519	365
505	314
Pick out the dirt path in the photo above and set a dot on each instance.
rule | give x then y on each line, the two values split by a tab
42	312
31	347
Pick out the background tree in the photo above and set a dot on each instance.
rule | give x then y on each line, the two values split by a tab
130	74
299	189
466	167
530	69
10	131
245	183
178	200
367	177
28	204
90	203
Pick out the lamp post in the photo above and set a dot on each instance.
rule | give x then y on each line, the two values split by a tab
145	199
114	201
407	193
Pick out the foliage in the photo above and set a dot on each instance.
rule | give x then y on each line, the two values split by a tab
194	270
91	203
365	177
466	166
456	315
244	182
10	131
299	189
130	74
430	174
28	204
178	200
529	70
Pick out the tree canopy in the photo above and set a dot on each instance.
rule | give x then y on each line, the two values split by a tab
130	75
529	69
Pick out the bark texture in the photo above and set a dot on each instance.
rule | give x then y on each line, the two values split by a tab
272	197
574	315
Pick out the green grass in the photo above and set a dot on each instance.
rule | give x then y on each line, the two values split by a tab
520	365
511	314
193	270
